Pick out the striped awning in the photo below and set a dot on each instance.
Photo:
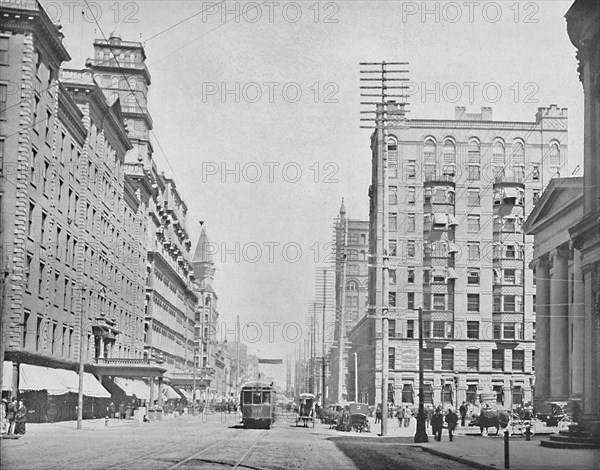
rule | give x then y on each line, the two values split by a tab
59	381
169	393
136	387
184	393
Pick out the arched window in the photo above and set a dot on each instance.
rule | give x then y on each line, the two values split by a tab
429	151
518	153
392	156
498	153
449	152
554	155
352	286
474	152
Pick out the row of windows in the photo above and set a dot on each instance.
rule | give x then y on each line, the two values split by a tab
443	302
443	249
446	330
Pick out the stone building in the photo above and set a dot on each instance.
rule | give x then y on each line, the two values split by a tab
567	238
458	192
71	224
351	251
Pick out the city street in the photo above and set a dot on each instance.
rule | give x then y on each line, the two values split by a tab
214	441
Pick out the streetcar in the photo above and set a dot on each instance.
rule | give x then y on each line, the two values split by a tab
257	402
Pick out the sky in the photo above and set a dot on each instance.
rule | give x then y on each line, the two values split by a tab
256	115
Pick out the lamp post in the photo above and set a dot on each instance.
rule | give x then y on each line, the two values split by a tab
421	434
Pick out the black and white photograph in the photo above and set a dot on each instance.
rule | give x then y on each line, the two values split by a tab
272	235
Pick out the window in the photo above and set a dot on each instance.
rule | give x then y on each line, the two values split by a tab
410	249
391	329
509	330
473	359
429	151
473	330
472	302
509	303
392	299
428	393
517	395
473	197
473	251
449	151
410	300
30	218
43	228
447	359
411	195
391	358
510	252
474	155
411	276
554	155
509	276
535	172
439	301
499	393
474	173
393	195
41	278
411	169
497	330
509	224
498	359
471	393
393	221
393	251
447	393
428	359
392	277
410	328
498	154
407	393
473	277
536	196
38	333
473	224
438	329
3	99
411	223
4	50
518	360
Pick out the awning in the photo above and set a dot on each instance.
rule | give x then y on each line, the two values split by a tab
184	393
169	393
440	219
139	388
452	220
92	387
452	274
7	376
54	381
511	193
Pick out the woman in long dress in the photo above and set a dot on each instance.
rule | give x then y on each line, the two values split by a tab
20	418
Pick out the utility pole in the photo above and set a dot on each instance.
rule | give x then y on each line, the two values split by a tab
4	323
377	87
342	330
421	434
237	368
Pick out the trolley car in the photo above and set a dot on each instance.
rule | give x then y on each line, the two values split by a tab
257	402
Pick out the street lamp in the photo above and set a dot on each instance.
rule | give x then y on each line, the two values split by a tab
421	434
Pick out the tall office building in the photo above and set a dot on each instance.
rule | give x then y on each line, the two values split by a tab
458	192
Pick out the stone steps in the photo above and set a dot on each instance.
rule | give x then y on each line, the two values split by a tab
567	440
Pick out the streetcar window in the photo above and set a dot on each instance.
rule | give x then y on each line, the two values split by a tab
247	398
266	397
256	398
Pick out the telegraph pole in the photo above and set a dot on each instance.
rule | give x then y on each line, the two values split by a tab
377	87
323	389
342	332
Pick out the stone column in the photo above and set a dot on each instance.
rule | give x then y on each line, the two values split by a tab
542	333
151	407
160	398
101	347
590	392
559	326
577	314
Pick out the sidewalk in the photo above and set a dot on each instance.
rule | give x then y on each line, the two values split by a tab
488	453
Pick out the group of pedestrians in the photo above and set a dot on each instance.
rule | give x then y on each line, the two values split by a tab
437	423
13	416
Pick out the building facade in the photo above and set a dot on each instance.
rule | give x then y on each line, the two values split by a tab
458	192
567	238
351	252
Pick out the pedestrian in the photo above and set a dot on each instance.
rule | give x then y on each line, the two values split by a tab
378	414
121	411
463	413
3	420
11	411
406	417
20	418
452	421
428	416
400	416
111	410
437	424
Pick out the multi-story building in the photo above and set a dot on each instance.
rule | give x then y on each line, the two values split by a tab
120	69
70	219
458	193
351	269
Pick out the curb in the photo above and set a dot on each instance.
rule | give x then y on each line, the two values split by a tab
459	459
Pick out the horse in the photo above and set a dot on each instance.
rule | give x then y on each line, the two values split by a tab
489	418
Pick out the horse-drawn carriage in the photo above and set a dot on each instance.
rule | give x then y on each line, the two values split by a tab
359	417
306	409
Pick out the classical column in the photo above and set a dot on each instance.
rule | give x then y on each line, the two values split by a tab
160	397
151	408
101	347
576	320
591	408
542	330
559	326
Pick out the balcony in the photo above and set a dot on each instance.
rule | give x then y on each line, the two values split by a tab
501	179
127	361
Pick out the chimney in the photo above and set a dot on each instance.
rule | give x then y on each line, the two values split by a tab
459	112
486	114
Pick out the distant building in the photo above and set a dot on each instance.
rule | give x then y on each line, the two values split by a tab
458	193
351	253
